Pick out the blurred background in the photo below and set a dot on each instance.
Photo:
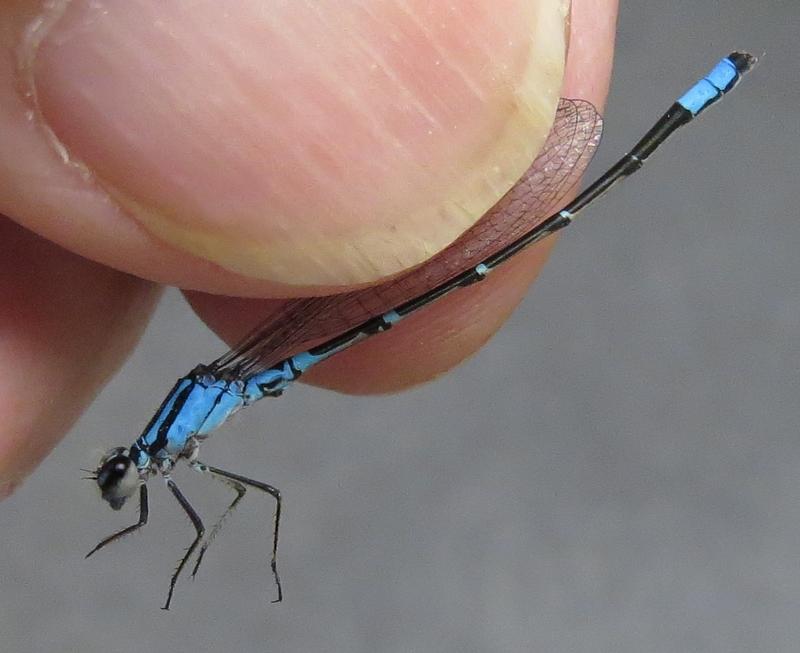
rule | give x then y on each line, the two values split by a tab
618	470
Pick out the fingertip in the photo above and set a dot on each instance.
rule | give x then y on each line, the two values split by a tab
436	339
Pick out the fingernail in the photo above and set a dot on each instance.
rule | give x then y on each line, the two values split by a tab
305	143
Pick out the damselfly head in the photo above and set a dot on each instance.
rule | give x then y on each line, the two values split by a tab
117	477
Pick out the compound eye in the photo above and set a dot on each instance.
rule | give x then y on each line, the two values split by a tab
117	478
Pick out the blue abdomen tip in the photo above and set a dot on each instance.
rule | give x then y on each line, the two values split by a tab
721	79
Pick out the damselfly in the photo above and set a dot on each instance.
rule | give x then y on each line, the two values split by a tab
308	331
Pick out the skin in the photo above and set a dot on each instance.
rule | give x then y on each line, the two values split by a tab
71	242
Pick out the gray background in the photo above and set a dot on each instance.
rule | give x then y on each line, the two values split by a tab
616	471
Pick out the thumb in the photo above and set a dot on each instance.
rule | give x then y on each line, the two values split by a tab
269	148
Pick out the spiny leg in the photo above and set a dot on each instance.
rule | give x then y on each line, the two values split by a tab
240	490
144	510
198	527
264	487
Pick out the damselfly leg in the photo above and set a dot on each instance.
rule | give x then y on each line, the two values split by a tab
143	513
243	483
199	529
240	490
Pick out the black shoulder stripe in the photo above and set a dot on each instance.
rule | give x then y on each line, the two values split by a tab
163	430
